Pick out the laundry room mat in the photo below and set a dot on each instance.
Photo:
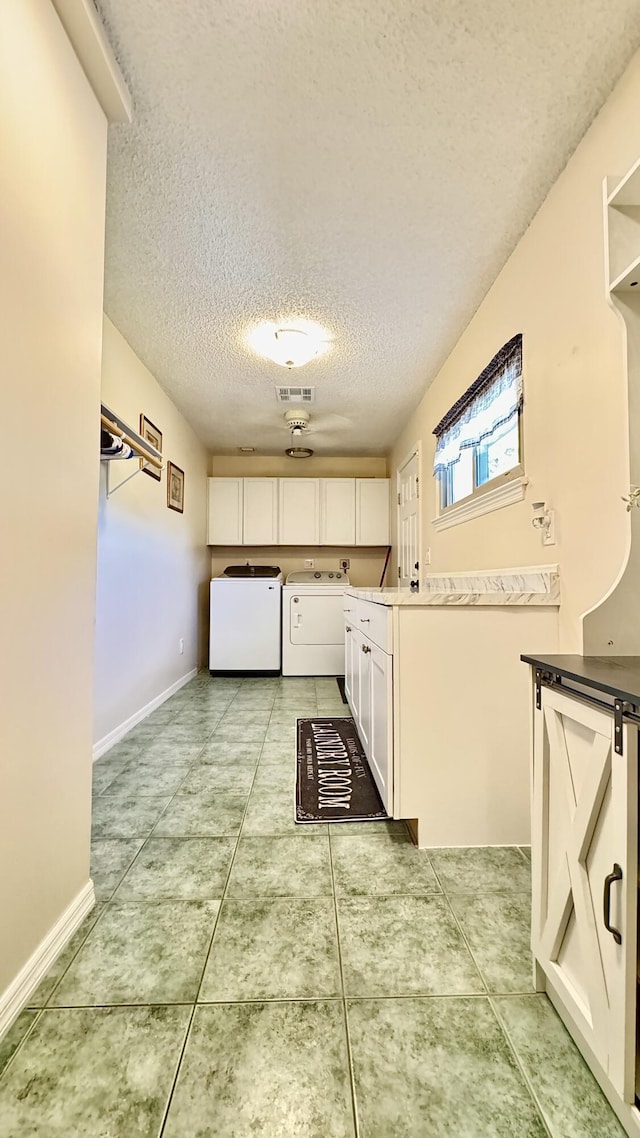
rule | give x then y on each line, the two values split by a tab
333	780
340	683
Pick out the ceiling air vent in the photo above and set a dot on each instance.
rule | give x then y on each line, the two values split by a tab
295	394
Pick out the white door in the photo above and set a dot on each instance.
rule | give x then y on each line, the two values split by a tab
299	520
372	511
381	731
260	511
337	511
409	520
245	625
584	862
224	511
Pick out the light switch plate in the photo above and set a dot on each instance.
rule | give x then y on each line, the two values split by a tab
309	563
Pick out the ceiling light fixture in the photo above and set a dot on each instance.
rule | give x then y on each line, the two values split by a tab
297	422
293	343
299	452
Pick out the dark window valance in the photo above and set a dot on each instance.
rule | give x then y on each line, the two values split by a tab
510	354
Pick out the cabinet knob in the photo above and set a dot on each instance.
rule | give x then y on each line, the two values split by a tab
347	629
366	648
346	610
364	620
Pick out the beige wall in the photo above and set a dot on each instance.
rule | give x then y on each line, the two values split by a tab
52	201
280	466
575	419
365	569
153	563
366	564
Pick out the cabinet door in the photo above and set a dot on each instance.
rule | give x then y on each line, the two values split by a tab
224	511
584	830
381	732
372	511
350	671
337	511
260	511
299	522
364	693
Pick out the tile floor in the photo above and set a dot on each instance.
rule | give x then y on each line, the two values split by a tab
242	976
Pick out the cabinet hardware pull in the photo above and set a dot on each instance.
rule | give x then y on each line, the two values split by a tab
365	648
346	610
615	875
347	629
364	620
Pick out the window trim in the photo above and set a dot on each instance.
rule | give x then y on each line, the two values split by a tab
502	491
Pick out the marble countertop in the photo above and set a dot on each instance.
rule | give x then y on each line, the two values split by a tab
529	585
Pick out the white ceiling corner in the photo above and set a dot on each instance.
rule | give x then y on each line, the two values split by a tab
369	165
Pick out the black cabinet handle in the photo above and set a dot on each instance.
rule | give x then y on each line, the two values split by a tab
615	875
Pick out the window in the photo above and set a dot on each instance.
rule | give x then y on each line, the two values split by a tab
480	439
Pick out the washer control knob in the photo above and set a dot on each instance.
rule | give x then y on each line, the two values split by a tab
317	576
331	575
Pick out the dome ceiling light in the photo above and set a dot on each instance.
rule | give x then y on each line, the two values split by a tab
291	344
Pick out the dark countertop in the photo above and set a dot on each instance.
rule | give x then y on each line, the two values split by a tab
618	676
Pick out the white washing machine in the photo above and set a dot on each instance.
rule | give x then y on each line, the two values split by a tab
313	623
245	621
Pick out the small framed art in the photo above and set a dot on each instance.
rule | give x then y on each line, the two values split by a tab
175	488
153	436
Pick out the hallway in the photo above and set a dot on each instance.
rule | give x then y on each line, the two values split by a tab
241	975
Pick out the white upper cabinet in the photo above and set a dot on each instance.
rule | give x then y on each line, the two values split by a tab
224	511
372	511
337	511
341	512
260	511
299	520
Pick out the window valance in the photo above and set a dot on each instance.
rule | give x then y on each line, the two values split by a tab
487	406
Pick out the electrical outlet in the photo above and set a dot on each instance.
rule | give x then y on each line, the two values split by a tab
427	556
181	646
345	564
309	563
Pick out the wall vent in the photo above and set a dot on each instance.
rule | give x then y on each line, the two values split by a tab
295	394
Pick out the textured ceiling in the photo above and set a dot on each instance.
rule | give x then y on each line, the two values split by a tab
367	164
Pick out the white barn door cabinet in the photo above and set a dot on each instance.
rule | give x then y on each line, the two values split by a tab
584	854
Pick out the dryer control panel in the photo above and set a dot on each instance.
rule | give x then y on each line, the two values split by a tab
318	577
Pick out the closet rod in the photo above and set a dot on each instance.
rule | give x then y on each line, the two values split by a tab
133	443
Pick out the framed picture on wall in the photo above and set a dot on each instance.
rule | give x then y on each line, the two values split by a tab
153	436
175	488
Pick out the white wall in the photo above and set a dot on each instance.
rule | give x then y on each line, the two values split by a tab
575	417
52	202
153	564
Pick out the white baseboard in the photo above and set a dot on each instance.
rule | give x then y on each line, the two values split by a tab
14	998
108	741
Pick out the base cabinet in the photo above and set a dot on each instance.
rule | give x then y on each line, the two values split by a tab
585	875
369	690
